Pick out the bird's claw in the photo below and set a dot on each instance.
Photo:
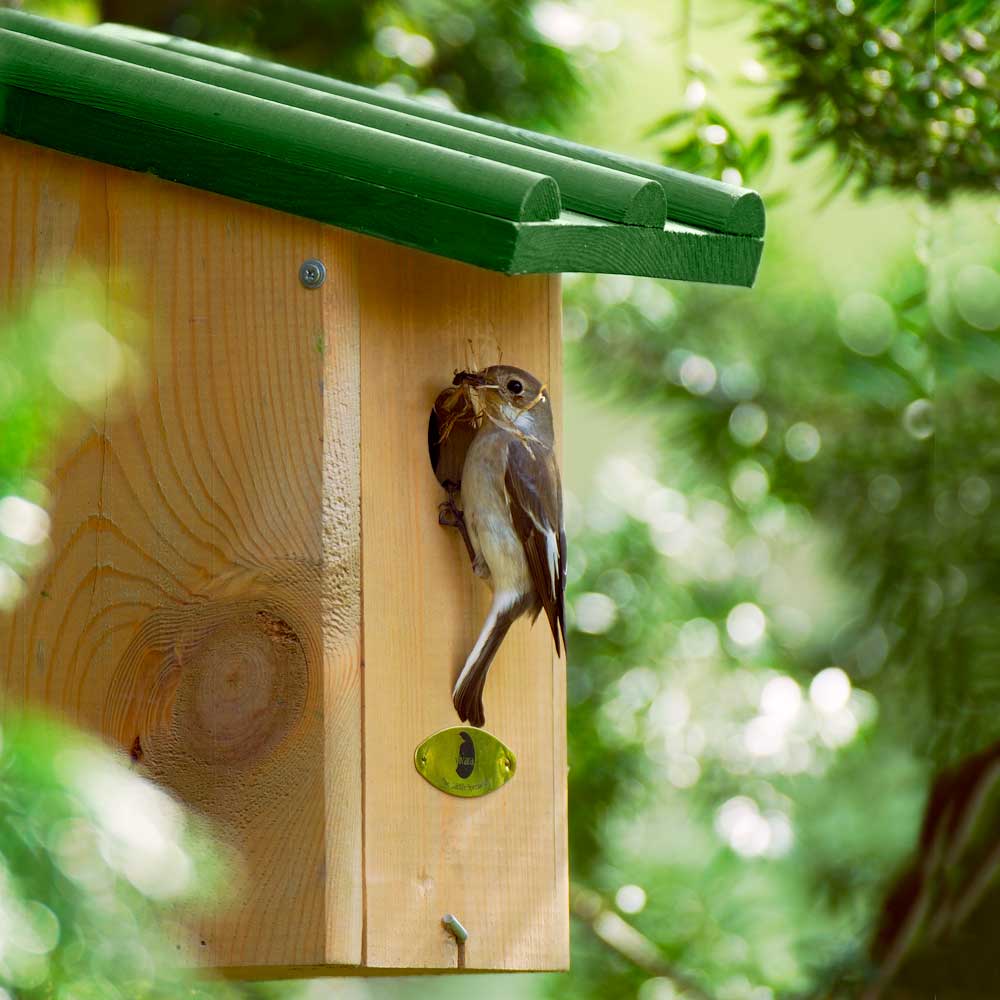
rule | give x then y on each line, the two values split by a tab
449	515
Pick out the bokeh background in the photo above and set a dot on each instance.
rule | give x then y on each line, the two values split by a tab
783	506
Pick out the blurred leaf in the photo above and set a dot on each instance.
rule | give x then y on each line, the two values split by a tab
667	122
907	96
488	58
92	859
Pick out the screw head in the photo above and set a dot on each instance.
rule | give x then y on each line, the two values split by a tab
312	273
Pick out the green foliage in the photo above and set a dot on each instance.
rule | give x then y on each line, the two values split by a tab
712	146
482	57
819	506
907	95
803	436
91	858
701	139
57	361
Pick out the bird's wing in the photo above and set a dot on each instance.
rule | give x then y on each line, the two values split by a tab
534	496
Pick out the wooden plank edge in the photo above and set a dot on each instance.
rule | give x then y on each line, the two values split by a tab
264	973
560	665
343	635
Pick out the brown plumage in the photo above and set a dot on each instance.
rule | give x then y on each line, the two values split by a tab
535	499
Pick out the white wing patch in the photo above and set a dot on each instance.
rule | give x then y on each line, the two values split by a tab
503	601
552	551
551	546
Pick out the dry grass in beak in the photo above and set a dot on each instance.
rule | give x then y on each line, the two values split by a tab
457	405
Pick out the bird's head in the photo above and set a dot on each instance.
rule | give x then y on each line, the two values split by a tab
508	395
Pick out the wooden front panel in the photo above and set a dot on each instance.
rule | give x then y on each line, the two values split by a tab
204	592
499	862
202	600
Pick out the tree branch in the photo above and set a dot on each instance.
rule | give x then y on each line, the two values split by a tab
630	943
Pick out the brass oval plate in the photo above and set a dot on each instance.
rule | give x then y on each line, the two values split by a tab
465	761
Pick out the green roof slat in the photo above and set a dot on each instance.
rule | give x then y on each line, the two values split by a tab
691	199
601	191
572	242
581	243
152	98
249	175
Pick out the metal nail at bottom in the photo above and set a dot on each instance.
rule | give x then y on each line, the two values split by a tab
454	927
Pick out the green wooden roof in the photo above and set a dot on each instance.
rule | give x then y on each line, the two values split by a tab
468	188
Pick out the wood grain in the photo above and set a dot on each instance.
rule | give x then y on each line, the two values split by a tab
499	862
202	601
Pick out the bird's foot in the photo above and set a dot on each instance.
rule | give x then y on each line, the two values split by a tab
450	515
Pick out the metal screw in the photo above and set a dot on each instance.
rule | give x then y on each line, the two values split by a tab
312	273
455	928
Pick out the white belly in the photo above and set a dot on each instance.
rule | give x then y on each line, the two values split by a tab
484	500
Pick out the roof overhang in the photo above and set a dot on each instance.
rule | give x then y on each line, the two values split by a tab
430	178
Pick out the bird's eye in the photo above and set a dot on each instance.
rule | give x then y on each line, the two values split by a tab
515	387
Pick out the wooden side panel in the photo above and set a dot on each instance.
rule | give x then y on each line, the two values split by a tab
202	602
499	862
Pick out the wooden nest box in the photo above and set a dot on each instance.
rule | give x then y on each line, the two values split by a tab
248	589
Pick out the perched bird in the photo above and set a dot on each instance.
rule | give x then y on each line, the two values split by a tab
511	516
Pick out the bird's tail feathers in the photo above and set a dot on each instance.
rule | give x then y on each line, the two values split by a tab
468	697
468	693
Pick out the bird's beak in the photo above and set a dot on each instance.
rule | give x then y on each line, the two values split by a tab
474	379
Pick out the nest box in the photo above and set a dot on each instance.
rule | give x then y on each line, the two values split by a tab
248	589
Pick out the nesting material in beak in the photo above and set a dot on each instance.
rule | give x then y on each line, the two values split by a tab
474	379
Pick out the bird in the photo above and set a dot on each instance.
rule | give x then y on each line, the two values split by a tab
510	515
